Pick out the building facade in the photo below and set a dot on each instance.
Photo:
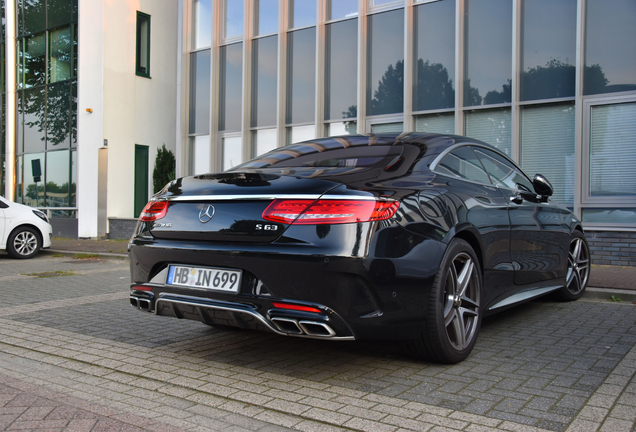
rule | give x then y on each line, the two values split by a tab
89	95
552	83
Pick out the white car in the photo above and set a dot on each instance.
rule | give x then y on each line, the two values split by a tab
23	230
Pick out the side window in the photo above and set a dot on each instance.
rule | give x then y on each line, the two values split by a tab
463	163
502	172
142	66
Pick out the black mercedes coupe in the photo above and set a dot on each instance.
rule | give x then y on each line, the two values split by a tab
412	237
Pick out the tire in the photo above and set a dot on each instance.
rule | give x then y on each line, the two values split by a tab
453	312
23	243
578	271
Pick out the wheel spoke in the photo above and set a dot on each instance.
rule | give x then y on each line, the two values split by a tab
474	304
448	318
460	331
577	250
463	279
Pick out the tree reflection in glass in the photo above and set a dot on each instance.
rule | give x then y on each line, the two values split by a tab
434	50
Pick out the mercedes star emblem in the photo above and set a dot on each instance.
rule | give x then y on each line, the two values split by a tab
206	214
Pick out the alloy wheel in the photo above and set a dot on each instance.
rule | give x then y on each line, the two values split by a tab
578	266
461	301
25	243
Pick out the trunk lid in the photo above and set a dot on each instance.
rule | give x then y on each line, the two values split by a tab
229	206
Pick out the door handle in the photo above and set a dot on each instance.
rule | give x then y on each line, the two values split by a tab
516	199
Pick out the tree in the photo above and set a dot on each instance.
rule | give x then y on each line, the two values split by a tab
164	171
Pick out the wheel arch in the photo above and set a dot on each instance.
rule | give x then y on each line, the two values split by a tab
474	241
27	225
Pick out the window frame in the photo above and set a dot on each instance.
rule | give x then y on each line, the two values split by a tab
587	200
138	44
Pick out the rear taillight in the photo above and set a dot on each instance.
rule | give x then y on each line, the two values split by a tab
153	211
328	211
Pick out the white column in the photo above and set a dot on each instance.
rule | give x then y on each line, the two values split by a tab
10	107
90	93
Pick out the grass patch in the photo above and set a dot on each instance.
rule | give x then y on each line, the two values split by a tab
57	255
55	273
86	256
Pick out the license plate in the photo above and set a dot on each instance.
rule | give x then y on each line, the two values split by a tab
205	278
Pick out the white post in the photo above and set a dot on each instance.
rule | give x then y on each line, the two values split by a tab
10	107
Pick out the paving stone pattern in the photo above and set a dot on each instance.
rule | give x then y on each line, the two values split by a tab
540	366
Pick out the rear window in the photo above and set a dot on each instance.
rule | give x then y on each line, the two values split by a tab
329	153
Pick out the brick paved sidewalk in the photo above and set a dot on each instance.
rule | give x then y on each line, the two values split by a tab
28	407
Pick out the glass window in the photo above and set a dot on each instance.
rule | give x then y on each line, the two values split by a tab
610	60
200	154
74	114
338	9
263	140
75	51
302	13
301	76
492	127
488	47
143	45
34	15
381	2
385	63
232	152
623	216
463	163
264	81
267	20
200	92
436	123
300	133
19	180
233	18
201	23
548	49
57	192
434	51
502	172
231	91
58	115
547	147
60	54
58	13
341	67
341	128
387	127
35	60
613	150
33	181
73	191
34	120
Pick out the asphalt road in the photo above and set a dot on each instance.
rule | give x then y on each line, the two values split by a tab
74	355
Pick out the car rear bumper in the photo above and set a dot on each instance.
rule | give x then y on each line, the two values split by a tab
361	296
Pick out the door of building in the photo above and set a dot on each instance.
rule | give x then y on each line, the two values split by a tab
141	178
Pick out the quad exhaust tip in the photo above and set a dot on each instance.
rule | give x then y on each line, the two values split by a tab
140	303
303	327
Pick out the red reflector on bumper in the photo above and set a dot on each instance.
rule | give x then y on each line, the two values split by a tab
141	288
296	307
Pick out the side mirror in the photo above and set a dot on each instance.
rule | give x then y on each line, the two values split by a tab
542	186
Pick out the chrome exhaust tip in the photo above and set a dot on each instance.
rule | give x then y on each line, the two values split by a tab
287	325
315	328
